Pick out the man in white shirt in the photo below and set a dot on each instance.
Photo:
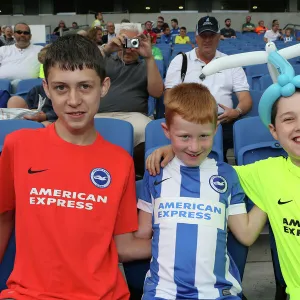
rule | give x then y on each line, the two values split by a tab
110	33
221	84
20	61
273	34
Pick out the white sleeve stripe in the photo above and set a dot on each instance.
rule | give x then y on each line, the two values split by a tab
145	206
237	209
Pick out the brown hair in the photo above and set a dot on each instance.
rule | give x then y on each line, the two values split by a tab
92	33
42	54
191	101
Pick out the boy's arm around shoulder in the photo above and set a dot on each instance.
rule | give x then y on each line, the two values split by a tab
246	227
130	245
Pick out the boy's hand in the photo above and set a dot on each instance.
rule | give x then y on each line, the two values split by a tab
153	161
38	117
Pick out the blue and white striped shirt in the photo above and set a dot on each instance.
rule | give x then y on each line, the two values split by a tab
190	208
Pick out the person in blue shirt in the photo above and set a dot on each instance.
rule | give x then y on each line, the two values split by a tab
166	38
175	28
189	205
288	35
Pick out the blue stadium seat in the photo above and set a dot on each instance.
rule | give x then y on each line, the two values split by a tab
182	48
264	82
255	95
255	72
24	86
116	131
7	264
161	67
192	36
8	126
166	52
253	141
40	44
151	106
155	137
5	85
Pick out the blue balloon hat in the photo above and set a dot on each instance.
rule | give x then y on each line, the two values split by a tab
285	87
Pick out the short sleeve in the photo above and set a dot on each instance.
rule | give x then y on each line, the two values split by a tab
266	35
7	187
188	39
251	184
239	80
173	76
222	32
145	202
176	39
237	202
127	218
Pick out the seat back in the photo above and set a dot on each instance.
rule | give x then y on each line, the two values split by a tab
27	84
5	85
253	141
264	82
155	137
8	126
116	131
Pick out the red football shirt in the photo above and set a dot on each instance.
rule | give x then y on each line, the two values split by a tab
152	34
70	201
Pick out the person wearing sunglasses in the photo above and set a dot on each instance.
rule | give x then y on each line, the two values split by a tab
20	61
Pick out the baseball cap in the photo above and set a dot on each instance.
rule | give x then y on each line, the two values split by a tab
208	24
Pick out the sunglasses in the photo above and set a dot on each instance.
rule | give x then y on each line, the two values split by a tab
24	32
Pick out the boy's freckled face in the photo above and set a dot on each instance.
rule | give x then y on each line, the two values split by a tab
191	142
75	95
287	125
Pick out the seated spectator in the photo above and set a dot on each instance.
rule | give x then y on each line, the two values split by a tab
41	58
227	32
248	26
75	25
99	21
148	30
61	26
156	53
20	61
46	116
2	28
7	38
159	27
261	28
110	26
132	81
166	38
95	35
288	35
182	38
273	34
125	21
175	28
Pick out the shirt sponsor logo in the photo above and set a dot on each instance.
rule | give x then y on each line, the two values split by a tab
67	199
291	226
189	211
100	178
218	183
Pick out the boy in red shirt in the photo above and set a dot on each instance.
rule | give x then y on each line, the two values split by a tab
74	204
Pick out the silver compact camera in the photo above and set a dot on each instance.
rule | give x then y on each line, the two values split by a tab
131	43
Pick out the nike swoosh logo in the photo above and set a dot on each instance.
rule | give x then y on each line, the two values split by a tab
36	171
159	182
285	202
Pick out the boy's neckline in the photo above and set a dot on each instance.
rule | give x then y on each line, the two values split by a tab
204	163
